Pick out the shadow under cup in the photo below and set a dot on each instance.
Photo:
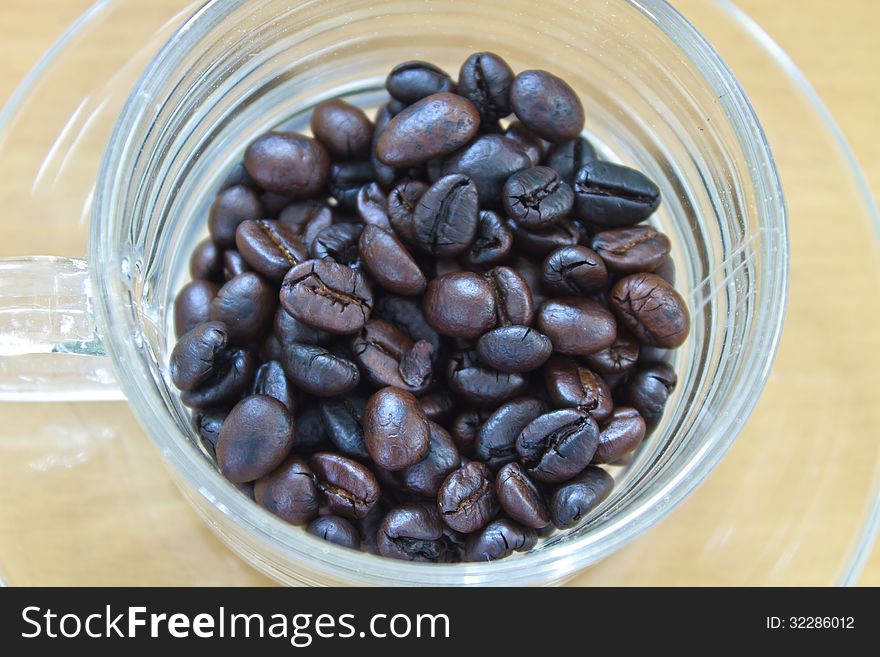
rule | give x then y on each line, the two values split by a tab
656	97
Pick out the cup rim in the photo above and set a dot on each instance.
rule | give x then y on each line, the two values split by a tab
298	546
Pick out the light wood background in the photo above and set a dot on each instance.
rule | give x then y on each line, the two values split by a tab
838	52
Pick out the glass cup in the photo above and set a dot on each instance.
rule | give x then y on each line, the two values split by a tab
656	96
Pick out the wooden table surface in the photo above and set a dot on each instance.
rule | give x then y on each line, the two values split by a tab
837	51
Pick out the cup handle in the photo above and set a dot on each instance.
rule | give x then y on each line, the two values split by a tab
50	348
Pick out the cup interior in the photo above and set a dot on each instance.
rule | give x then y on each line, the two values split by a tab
656	97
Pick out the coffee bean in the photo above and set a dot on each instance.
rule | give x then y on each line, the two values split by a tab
208	423
492	242
339	243
274	204
346	180
390	264
488	161
372	206
238	175
328	296
229	209
246	304
648	389
531	144
619	434
571	270
337	530
271	381
425	477
288	163
402	202
513	297
542	242
289	491
232	375
411	81
460	305
536	198
437	405
348	488
575	499
256	437
432	127
569	157
464	429
485	80
632	250
343	422
651	309
406	315
389	358
206	262
571	385
307	219
317	371
520	498
495	441
233	265
482	386
289	329
531	274
395	429
310	432
666	271
514	348
466	499
547	106
385	175
620	357
198	354
497	540
269	247
412	532
343	129
557	445
445	218
577	326
193	305
612	195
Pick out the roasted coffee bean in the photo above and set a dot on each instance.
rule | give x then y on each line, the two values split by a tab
411	81
289	491
206	262
485	80
464	429
385	175
651	309
289	329
343	422
390	264
388	357
492	242
497	540
198	354
514	348
193	305
531	274
402	202
461	305
246	304
513	297
571	270
337	530
571	385
339	243
666	271
288	163
412	532
437	405
256	437
271	381
406	315
569	157
612	195
619	434
238	175
648	389
482	386
547	106
632	250
274	204
532	144
208	423
230	208
328	296
466	499
620	357
395	429
577	326
343	129
230	378
557	445
269	247
233	264
489	160
520	498
445	218
432	127
575	499
307	219
346	180
425	477
372	206
495	442
270	349
542	242
310	431
317	371
536	198
348	488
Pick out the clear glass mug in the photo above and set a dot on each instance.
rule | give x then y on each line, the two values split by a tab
656	96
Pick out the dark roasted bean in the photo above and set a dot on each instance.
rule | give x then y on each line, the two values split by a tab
464	430
233	264
513	296
536	198
648	389
425	477
620	357
229	380
531	274
385	175
348	488
569	157
343	422
485	80
193	305
445	218
246	304
388	357
343	129
407	316
612	195
346	180
411	81
402	202
476	384
460	305
390	264
230	208
208	423
489	160
557	445
571	385
575	499
467	500
337	530
412	532
514	348
238	175
198	355
339	243
317	371
310	432
206	262
632	250
666	271
496	439
619	434
520	498
577	326
288	163
289	329
547	106
328	296
497	540
256	437
307	219
652	309
437	404
532	144
289	491
492	242
395	429
372	206
572	270
274	204
269	247
541	242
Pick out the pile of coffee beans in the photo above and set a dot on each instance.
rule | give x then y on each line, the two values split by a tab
420	335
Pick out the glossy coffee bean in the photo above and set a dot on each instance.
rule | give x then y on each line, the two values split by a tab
271	381
208	423
193	305
666	271
648	389
425	477
229	209
612	195
206	262
390	263
495	442
270	349
232	375
372	206
620	357
328	296
497	540
411	81
406	315
348	488
536	198
198	354
336	530
569	157
547	106
514	348
233	265
402	202
573	500
573	270
412	532
274	204
541	242
256	437
432	127
528	141
467	500
289	491
288	329
445	218
246	304
388	357
343	422
269	247
346	179
492	242
571	385
464	430
531	274
489	160
343	129
619	434
520	498
310	432
385	175
460	305
307	219
288	163
482	386
577	326
438	405
513	296
557	445
632	250
395	429
651	309
485	80
338	243
238	175
317	371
